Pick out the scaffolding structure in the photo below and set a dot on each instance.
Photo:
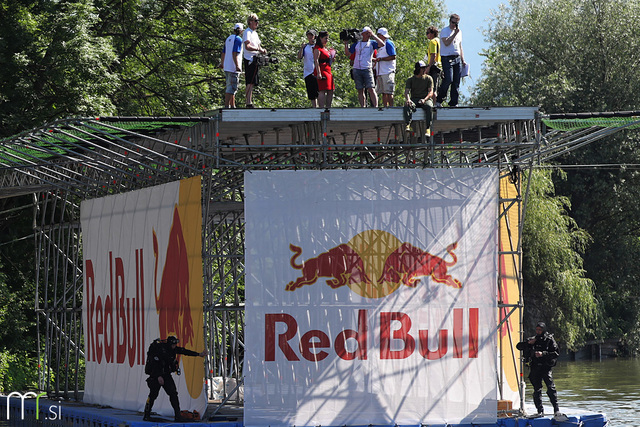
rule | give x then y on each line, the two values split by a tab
72	160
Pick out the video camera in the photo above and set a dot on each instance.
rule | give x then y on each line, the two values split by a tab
264	60
351	35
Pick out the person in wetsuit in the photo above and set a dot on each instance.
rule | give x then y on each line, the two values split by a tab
161	363
541	353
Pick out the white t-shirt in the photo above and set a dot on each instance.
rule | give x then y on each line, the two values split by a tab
386	67
454	48
253	38
307	60
364	54
231	45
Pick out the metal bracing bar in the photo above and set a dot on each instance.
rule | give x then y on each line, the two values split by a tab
114	155
151	139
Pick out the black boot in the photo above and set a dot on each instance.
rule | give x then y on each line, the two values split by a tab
147	410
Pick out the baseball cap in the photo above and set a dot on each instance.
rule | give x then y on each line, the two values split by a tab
172	340
383	32
314	32
422	64
238	26
541	325
365	29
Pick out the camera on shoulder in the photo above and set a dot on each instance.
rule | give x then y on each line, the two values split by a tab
351	35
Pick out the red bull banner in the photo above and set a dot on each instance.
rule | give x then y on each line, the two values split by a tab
142	280
371	297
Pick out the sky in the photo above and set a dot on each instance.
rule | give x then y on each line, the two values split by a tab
474	19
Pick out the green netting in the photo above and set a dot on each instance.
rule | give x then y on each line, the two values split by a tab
583	123
49	143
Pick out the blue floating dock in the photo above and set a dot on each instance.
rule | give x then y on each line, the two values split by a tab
54	413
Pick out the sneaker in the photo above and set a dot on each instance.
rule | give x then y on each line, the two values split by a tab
249	106
408	128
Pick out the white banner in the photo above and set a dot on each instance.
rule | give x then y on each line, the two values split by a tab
371	297
142	280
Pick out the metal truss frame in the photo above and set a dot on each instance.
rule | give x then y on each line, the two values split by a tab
71	160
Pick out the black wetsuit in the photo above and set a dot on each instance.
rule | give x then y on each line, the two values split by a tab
161	362
541	367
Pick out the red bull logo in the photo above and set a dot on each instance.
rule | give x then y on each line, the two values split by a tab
374	264
172	304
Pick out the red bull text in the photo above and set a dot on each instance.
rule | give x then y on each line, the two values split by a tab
398	339
115	323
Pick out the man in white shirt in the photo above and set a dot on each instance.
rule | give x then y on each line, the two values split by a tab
386	68
230	63
362	52
452	58
252	47
310	80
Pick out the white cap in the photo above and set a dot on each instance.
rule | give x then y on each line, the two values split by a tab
383	32
238	26
366	29
422	64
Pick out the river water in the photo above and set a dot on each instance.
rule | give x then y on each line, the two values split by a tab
611	386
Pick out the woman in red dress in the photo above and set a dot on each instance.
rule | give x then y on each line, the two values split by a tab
323	59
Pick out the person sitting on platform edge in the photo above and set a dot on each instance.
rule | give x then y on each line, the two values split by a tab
419	92
161	363
541	354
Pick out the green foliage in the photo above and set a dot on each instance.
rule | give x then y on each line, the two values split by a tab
17	372
564	55
53	65
556	288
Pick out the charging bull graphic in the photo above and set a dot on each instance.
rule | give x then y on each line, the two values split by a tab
172	304
374	264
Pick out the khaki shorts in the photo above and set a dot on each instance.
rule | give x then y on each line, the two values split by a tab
386	83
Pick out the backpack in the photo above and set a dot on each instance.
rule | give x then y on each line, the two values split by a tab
151	356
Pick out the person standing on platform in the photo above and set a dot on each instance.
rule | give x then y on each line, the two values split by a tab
452	59
386	68
252	47
230	62
322	60
541	353
419	93
305	53
363	64
161	363
434	63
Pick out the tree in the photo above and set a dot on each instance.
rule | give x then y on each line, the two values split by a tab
53	66
555	287
564	55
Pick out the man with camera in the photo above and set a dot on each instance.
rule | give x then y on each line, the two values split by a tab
386	68
452	57
252	47
230	63
363	64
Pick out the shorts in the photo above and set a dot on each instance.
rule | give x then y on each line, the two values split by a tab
363	78
251	72
386	83
232	82
311	82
